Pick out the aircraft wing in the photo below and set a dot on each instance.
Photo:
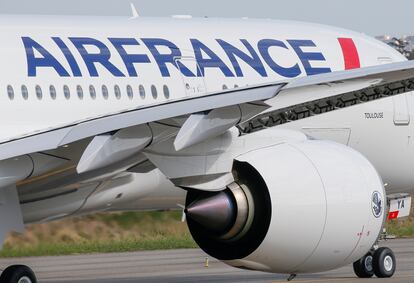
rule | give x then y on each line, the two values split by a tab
282	101
319	94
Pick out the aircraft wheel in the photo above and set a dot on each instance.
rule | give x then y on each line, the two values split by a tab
384	263
18	274
363	267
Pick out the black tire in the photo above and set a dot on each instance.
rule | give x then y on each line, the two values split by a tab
15	273
363	267
384	263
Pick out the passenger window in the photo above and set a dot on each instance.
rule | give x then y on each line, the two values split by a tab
105	92
52	91
92	92
117	92
80	92
154	92
66	92
10	92
142	91
130	92
166	92
25	92
39	94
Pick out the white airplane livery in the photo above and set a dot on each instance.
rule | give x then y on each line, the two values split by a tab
286	141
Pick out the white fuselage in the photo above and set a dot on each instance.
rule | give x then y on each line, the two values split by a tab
76	57
58	71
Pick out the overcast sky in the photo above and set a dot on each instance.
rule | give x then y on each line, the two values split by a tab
374	17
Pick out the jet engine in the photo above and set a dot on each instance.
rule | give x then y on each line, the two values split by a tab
294	208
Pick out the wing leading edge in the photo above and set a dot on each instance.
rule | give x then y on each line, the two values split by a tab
291	100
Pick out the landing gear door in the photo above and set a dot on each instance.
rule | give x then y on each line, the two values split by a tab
400	206
193	84
401	111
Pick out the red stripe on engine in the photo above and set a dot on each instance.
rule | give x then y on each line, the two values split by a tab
350	52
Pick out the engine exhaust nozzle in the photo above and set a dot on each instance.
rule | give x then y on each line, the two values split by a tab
225	213
216	212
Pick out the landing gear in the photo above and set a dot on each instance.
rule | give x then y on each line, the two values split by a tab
363	268
384	263
18	274
380	262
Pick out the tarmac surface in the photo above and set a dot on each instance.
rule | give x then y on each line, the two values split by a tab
186	266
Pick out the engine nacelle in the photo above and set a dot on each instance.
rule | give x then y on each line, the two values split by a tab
295	208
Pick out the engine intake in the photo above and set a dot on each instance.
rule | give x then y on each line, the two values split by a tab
237	230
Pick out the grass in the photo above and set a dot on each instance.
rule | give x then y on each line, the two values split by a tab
400	231
102	233
121	232
90	247
402	228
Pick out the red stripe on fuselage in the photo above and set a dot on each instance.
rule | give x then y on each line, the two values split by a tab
351	56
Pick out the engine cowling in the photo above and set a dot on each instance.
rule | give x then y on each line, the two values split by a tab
295	208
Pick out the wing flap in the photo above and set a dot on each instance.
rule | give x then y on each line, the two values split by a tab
35	143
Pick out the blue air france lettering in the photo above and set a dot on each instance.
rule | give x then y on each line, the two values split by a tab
256	56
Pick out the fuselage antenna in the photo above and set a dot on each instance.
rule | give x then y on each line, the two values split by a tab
134	11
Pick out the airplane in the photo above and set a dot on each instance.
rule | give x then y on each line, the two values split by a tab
285	140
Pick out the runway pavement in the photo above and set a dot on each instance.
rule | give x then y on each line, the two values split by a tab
185	266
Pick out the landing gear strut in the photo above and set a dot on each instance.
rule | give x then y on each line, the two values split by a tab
18	274
380	262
